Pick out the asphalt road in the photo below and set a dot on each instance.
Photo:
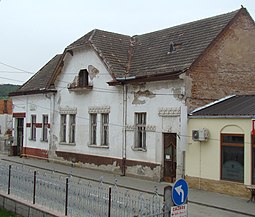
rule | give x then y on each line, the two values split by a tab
195	210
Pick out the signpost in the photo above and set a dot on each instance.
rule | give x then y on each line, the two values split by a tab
180	192
179	197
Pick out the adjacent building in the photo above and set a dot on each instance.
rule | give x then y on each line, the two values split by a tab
221	149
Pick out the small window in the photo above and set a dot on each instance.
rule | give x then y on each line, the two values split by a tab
104	129
83	78
140	130
33	127
93	129
72	128
45	128
63	128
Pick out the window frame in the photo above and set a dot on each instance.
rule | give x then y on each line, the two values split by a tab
45	122
140	130
72	127
93	128
33	127
83	80
104	129
63	128
230	144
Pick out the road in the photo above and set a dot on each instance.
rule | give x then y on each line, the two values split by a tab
195	210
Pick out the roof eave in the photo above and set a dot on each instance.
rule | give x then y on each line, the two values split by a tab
31	92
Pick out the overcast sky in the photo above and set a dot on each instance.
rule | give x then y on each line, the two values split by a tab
33	31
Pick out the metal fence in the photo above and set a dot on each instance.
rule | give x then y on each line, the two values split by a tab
77	197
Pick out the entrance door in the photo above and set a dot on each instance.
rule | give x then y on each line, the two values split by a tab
19	139
169	157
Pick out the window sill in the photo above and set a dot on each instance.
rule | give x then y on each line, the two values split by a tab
69	144
42	140
139	149
31	139
99	146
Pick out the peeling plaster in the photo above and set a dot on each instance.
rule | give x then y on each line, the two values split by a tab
139	94
93	72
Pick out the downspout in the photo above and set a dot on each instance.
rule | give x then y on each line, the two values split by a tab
52	124
124	137
124	117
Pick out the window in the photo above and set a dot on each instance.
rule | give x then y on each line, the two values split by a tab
83	78
45	128
232	157
104	128
33	127
140	130
63	128
93	129
72	128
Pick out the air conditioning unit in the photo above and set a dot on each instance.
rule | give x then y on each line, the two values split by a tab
200	135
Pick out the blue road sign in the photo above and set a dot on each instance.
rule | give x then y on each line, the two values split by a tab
180	192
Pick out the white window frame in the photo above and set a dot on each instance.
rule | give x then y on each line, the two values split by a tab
72	123
93	128
33	127
104	129
45	120
63	126
140	130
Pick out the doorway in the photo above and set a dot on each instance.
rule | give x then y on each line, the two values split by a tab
19	136
169	140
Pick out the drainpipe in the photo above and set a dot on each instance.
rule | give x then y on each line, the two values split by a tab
124	117
124	138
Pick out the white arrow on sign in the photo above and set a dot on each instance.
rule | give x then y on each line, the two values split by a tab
180	191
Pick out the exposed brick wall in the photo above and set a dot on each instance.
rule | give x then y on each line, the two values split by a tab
8	109
228	66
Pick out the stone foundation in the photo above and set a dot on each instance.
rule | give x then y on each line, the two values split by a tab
220	186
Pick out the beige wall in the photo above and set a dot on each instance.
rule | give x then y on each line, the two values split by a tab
203	158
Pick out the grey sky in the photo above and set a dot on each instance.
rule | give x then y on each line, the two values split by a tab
33	31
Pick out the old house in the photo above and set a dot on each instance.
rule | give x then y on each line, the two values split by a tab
221	151
120	103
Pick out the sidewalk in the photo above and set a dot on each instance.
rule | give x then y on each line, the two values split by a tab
210	199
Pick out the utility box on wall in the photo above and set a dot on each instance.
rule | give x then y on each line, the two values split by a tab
200	135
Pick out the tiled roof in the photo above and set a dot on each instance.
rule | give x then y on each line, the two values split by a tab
40	81
142	55
152	51
149	54
243	105
111	47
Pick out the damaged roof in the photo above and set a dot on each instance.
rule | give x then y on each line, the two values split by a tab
166	52
236	105
40	81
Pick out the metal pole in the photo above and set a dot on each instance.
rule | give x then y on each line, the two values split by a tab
9	179
109	204
34	187
66	205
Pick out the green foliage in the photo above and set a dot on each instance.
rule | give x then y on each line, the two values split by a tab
5	213
5	89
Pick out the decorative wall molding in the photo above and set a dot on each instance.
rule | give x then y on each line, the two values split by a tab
130	127
68	110
169	112
99	109
148	128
